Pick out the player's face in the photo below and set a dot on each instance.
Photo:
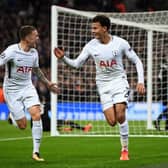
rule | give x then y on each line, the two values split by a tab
32	39
98	30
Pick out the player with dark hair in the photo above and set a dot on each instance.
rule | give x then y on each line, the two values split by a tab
20	60
107	51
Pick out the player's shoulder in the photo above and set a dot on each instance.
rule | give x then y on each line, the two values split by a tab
12	47
11	50
119	39
93	42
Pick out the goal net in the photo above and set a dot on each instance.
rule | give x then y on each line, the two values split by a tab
77	107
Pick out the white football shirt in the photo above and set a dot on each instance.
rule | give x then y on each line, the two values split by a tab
108	59
18	66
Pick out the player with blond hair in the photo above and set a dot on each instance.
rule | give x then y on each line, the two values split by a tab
20	60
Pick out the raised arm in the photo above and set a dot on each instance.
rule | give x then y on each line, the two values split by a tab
51	86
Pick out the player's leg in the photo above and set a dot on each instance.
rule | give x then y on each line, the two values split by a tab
117	113
120	109
22	123
11	120
32	104
109	96
19	122
120	100
16	108
110	116
36	131
124	129
105	93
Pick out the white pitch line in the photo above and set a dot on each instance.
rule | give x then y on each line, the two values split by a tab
13	139
18	138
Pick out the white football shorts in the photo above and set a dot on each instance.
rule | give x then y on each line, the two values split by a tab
112	92
21	100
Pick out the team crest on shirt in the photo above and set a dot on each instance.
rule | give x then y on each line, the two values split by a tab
114	53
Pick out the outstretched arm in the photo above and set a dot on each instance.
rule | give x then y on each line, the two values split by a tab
51	86
74	63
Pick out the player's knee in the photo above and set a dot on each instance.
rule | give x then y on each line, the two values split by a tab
35	113
36	116
22	123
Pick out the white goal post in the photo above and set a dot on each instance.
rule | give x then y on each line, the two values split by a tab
78	101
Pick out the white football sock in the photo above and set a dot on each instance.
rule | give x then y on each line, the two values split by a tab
37	135
124	131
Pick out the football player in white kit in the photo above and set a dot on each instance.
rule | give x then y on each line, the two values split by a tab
20	60
107	52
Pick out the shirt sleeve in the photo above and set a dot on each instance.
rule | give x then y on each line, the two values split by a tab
5	56
79	61
132	56
36	61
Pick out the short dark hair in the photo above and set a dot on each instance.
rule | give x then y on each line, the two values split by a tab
25	30
103	20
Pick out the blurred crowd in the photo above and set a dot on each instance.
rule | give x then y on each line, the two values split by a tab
15	13
114	5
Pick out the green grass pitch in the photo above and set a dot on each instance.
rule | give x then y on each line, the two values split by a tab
79	152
